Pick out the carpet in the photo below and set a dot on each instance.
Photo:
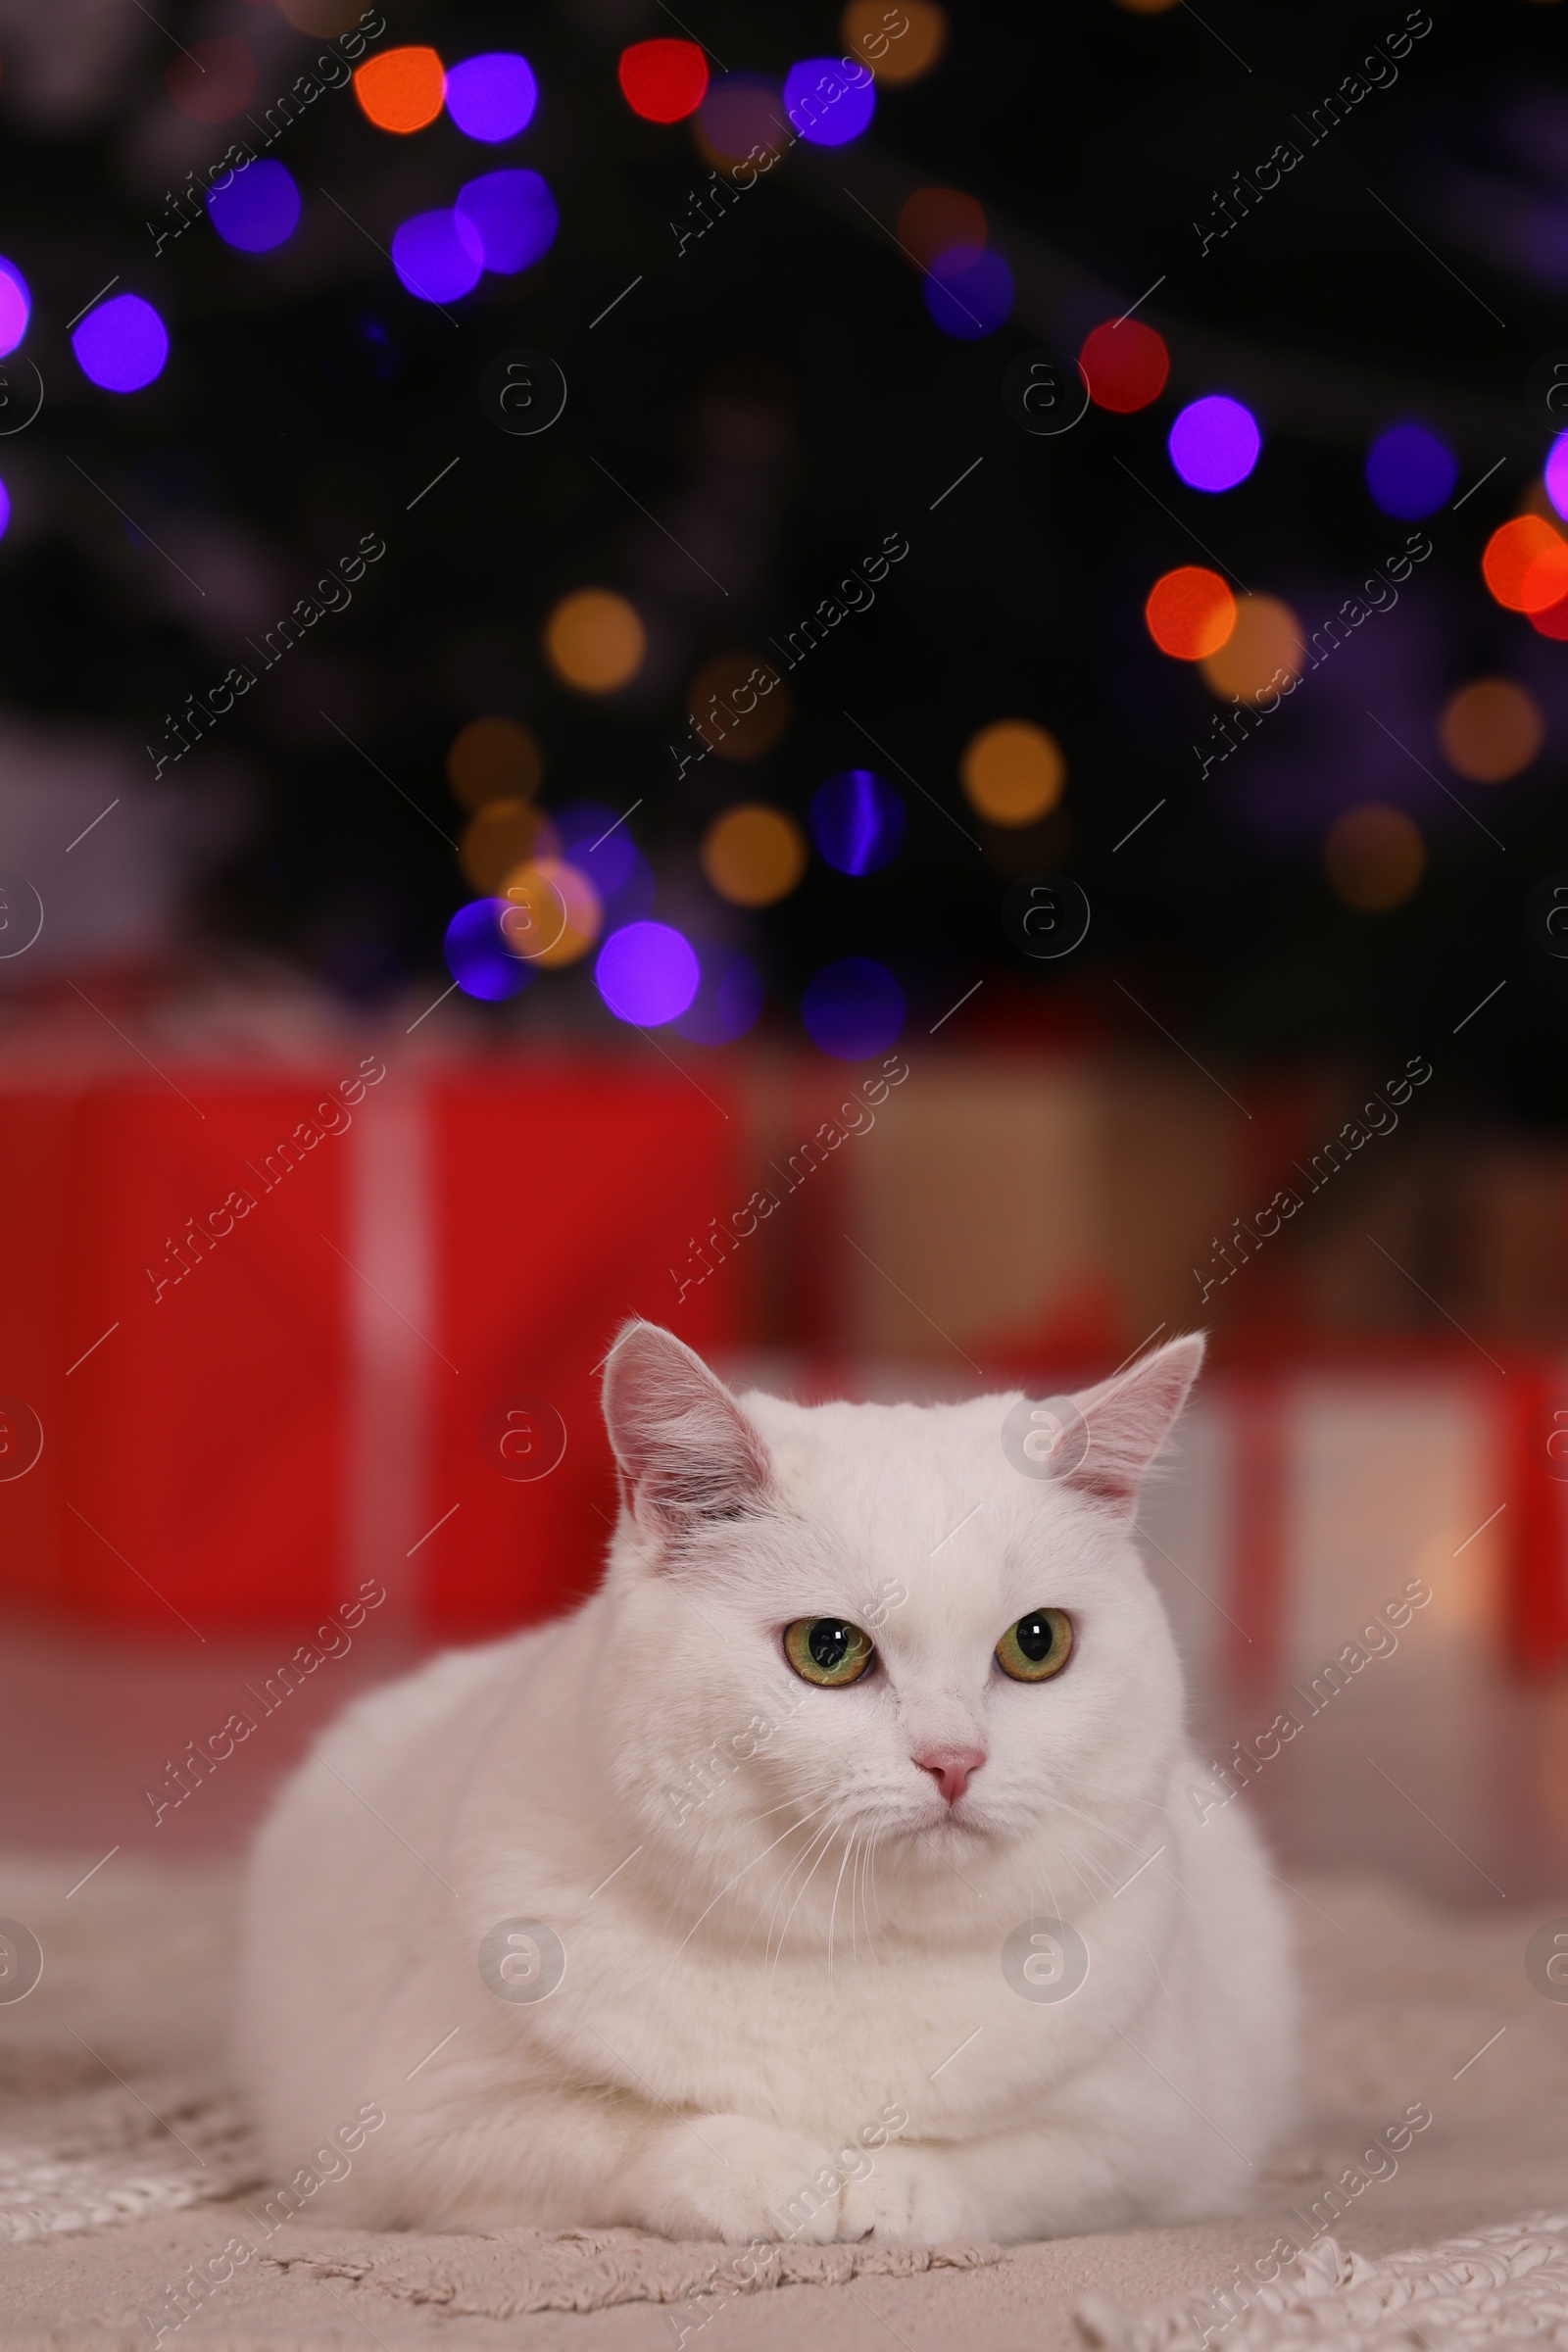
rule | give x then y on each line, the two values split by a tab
127	2169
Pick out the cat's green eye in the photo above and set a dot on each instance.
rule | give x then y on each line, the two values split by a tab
827	1650
1038	1646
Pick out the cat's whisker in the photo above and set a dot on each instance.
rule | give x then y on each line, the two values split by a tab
828	1835
751	1865
848	1851
802	1859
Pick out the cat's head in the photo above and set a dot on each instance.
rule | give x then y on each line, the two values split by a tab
890	1617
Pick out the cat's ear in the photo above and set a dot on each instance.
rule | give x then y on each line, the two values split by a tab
1128	1419
686	1449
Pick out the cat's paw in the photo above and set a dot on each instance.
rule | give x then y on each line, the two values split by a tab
911	2196
728	2177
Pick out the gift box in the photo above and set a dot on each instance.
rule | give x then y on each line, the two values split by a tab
270	1334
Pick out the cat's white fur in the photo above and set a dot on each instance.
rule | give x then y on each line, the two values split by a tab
785	2007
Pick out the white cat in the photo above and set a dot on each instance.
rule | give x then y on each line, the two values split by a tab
756	1899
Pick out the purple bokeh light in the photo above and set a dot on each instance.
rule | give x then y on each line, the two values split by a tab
121	345
824	106
647	974
968	292
596	841
438	256
853	1009
1410	473
512	214
257	208
477	956
492	97
1557	475
857	822
15	304
728	999
1215	443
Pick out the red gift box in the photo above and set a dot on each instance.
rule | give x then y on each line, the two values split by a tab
264	1331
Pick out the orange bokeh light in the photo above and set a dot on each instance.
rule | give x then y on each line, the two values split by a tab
1190	613
403	90
936	220
1526	564
1374	857
1491	729
754	854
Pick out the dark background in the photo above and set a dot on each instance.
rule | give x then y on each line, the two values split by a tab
781	388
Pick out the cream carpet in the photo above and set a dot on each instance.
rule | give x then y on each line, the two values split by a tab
125	2168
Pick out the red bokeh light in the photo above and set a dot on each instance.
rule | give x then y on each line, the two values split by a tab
1126	364
664	81
214	81
1526	564
934	220
1190	613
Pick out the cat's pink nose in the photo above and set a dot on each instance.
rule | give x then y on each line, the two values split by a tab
951	1768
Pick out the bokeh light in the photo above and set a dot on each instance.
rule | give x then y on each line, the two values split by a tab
1215	443
401	89
15	304
513	215
754	855
853	1009
597	842
329	17
1491	729
717	700
1267	641
477	956
1145	8
728	999
1374	857
1126	365
647	974
123	345
5	510
1410	473
663	82
867	33
1555	476
500	836
258	208
857	822
740	113
936	220
970	294
1013	771
493	760
492	97
1190	613
1553	620
554	913
594	641
825	107
437	256
212	80
1526	564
